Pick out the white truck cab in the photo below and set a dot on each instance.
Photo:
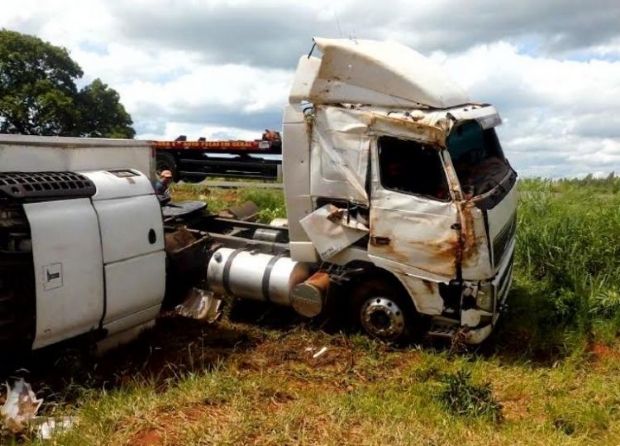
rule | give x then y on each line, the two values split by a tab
388	162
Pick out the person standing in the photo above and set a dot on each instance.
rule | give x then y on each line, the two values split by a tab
162	186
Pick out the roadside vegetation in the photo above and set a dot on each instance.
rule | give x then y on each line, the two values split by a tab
269	201
549	375
39	93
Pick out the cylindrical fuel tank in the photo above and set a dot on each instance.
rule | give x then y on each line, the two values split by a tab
252	275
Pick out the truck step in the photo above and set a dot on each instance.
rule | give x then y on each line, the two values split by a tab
443	330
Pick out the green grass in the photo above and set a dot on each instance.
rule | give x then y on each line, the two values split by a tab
549	375
269	201
567	290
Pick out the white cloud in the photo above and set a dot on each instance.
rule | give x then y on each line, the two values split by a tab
171	130
560	115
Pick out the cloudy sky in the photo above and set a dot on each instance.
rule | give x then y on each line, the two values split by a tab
222	68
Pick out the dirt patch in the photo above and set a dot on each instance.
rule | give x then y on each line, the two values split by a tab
308	352
230	196
602	355
168	423
148	437
602	351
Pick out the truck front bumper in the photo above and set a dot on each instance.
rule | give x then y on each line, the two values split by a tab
478	323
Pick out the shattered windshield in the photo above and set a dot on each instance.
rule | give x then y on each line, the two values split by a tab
477	157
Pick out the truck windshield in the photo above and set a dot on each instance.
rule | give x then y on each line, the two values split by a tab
477	157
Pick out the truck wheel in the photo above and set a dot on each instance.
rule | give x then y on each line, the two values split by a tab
384	311
165	161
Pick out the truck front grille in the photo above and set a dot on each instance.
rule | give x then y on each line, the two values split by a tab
45	185
502	286
502	240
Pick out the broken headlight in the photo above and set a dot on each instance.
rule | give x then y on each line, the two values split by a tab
485	298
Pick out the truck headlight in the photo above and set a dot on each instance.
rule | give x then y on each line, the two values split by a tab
485	299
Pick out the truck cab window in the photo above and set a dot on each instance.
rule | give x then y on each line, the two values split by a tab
411	167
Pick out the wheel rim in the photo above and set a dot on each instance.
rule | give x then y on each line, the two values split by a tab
382	318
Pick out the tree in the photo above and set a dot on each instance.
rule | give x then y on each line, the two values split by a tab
38	95
101	113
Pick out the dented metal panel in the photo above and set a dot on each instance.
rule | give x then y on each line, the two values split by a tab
412	231
429	128
416	233
374	73
475	254
296	162
341	140
425	294
331	231
339	150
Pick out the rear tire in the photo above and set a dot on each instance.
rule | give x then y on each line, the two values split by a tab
166	161
384	311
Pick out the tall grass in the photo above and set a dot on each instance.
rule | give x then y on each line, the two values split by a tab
269	201
568	261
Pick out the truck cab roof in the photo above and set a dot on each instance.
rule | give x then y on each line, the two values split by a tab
379	73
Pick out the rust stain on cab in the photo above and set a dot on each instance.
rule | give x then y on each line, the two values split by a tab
468	231
428	133
440	255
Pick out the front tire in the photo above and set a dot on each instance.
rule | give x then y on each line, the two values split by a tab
384	311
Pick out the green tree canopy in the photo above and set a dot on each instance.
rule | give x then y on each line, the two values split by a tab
38	95
101	113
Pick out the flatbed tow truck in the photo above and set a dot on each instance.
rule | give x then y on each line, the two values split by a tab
196	160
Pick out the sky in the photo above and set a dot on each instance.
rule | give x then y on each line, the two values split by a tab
223	68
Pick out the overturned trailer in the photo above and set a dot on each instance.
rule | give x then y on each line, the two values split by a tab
401	210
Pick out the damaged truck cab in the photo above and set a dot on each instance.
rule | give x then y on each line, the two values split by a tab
391	170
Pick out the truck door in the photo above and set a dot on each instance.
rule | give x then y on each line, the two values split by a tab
132	240
66	247
412	215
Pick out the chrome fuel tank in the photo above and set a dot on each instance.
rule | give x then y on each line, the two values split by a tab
252	275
